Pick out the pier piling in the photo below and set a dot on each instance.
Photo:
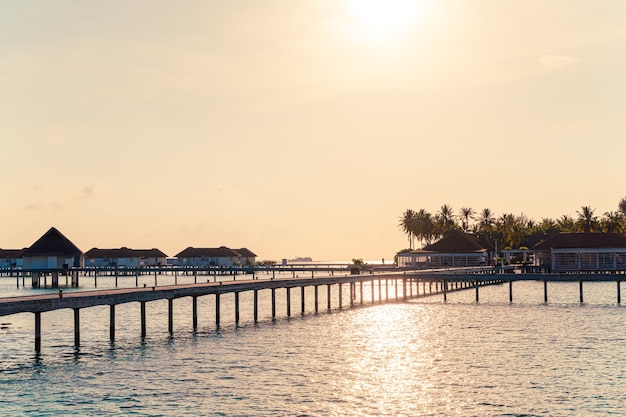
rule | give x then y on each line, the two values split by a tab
143	319
76	327
217	310
111	323
170	316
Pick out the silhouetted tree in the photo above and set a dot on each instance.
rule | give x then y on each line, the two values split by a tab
586	221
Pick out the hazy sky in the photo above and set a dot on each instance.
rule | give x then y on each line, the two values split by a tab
303	127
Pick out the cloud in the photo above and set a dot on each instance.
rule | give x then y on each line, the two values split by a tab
556	61
43	205
91	191
223	189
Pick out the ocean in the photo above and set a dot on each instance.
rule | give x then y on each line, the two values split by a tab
424	357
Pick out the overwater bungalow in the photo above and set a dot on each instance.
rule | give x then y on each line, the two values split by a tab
11	258
572	252
53	251
222	256
457	250
124	258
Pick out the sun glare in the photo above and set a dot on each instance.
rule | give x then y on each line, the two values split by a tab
381	19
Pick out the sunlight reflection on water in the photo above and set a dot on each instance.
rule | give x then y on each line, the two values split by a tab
424	357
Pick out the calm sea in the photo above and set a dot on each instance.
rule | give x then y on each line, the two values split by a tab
425	357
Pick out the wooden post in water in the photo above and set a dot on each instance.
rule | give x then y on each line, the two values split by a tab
37	331
404	289
380	291
143	319
580	290
136	278
361	291
302	300
112	323
256	305
395	284
510	291
237	309
373	293
545	291
386	290
155	278
340	296
194	312
316	299
288	290
170	316
76	327
328	304
352	294
477	298
273	303
619	295
217	310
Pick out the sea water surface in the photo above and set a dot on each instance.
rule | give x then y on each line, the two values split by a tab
425	357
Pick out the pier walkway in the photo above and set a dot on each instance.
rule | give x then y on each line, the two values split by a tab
404	286
381	287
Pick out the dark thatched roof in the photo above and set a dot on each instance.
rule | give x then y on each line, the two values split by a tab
124	252
52	243
12	253
221	252
583	240
459	242
245	252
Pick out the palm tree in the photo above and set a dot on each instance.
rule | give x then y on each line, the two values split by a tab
444	221
566	223
485	223
425	228
407	225
547	226
586	221
622	206
466	214
612	222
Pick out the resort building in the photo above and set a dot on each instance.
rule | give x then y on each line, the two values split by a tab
457	250
222	256
124	258
53	251
570	252
11	258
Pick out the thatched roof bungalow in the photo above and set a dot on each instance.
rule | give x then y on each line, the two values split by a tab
566	252
457	250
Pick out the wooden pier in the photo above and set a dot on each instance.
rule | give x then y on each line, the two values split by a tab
406	286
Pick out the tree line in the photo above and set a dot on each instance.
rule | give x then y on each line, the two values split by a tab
510	230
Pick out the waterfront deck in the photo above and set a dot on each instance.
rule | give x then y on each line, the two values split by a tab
404	284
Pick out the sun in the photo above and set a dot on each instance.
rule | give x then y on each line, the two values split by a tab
382	19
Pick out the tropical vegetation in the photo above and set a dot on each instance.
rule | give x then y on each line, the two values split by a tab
508	230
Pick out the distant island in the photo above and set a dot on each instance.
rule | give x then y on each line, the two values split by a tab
301	259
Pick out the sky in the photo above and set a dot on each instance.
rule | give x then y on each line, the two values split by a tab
303	127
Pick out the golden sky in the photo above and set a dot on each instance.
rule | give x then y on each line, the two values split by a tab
303	127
